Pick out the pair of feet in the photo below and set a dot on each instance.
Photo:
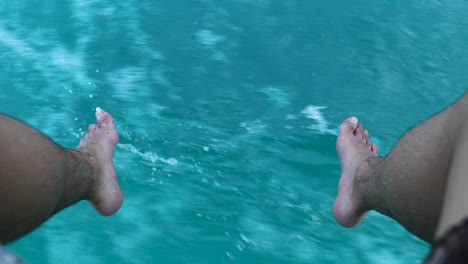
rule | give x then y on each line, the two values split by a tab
353	146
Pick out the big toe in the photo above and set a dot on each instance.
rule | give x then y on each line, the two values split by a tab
103	118
349	126
106	124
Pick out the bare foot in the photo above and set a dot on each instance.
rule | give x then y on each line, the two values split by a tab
354	149
100	142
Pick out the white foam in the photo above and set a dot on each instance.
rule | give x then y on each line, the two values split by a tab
56	64
148	155
313	112
321	124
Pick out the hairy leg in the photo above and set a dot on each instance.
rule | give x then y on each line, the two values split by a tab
408	185
38	178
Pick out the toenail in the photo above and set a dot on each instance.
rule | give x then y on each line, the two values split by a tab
99	113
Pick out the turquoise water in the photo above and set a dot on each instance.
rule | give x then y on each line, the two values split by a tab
228	113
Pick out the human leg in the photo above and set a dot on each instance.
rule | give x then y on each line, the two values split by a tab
38	178
407	185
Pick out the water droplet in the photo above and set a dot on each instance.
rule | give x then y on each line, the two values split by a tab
230	255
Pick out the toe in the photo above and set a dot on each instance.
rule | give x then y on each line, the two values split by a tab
374	149
359	131
349	125
103	118
92	128
106	124
365	134
369	145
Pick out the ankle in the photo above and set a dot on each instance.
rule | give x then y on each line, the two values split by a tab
79	175
376	179
366	184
